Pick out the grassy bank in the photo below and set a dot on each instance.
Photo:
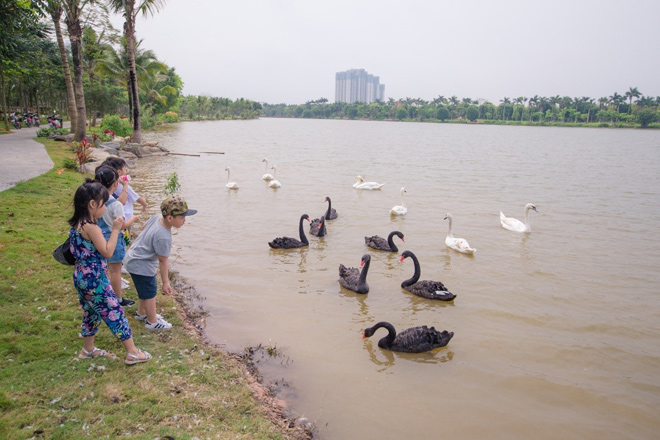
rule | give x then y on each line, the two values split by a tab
187	390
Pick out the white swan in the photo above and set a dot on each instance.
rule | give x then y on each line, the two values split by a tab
516	225
400	210
361	184
274	183
230	185
267	177
458	244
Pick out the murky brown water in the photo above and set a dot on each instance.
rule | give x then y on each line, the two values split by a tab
557	334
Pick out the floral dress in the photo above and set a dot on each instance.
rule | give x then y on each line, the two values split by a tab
97	299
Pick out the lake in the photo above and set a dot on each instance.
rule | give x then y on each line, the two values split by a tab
556	332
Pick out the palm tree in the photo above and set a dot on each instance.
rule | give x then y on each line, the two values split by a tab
630	94
115	65
74	10
54	8
130	10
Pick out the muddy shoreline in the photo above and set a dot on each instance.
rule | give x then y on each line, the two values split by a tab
194	316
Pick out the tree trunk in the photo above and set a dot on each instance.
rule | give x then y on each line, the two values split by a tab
4	99
56	14
129	32
75	37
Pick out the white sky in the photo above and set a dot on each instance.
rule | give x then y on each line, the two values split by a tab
288	51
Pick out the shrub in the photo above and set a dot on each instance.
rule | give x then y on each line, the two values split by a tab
44	132
70	164
82	151
121	127
171	117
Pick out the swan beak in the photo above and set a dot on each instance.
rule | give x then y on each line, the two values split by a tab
401	259
363	336
403	239
445	218
362	263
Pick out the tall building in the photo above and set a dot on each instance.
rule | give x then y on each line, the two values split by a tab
356	85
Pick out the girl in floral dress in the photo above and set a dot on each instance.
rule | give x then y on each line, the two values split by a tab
90	275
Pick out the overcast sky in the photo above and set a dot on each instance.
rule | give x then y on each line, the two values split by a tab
288	51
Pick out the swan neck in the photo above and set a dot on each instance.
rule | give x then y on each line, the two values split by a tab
363	273
391	333
449	232
301	231
415	276
390	242
327	213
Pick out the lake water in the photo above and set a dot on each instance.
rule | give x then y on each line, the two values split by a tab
556	332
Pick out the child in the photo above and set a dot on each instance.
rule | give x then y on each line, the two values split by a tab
150	248
90	275
108	177
125	194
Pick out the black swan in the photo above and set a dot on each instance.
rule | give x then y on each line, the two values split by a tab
412	340
351	277
290	243
317	227
331	213
381	244
426	288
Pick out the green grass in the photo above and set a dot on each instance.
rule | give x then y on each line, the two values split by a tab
187	390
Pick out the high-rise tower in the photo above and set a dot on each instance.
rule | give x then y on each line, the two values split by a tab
357	85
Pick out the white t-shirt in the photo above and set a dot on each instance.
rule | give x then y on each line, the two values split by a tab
132	198
112	211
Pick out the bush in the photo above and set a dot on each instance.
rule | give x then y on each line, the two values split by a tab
121	127
70	164
47	131
171	117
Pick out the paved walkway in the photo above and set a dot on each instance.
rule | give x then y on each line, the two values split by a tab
22	158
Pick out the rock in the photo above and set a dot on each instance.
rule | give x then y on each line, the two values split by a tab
130	158
89	168
98	155
110	147
62	137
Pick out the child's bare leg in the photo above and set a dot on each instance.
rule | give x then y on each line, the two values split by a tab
150	309
88	343
115	278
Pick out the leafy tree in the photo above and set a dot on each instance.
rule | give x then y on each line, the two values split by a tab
55	10
472	113
630	94
646	116
130	9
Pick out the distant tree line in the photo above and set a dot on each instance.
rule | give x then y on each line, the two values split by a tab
629	109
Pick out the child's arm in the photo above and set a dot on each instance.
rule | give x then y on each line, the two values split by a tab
106	248
143	203
130	221
123	197
164	274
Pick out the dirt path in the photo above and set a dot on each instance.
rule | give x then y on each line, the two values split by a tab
21	158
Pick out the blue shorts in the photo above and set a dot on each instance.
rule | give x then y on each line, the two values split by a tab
120	249
146	287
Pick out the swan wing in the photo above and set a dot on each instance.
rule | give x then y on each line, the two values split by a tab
232	185
420	339
459	244
398	210
511	224
267	177
275	184
377	242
